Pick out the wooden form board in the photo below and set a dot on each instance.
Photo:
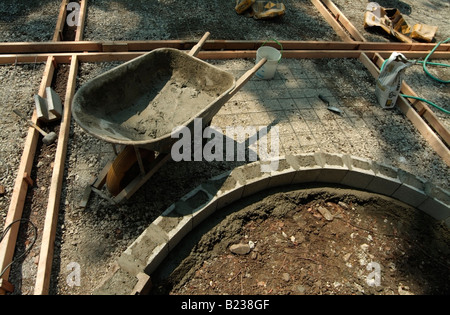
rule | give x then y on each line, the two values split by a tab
51	216
7	246
15	211
205	55
214	45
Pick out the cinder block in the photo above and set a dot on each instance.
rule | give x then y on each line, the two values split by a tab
151	244
204	212
333	167
156	257
116	282
224	188
411	190
48	109
360	173
386	181
53	102
302	161
438	202
41	108
176	222
223	183
307	175
230	197
283	176
307	169
435	208
197	198
255	179
203	203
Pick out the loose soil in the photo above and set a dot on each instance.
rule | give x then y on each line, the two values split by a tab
297	248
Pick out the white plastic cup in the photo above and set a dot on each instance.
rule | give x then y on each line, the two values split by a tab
273	56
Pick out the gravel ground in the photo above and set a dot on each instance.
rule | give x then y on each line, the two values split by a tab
95	236
125	20
28	21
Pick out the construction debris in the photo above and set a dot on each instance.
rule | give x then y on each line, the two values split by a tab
49	109
392	21
325	213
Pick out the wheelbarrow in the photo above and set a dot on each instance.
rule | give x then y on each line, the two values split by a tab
137	105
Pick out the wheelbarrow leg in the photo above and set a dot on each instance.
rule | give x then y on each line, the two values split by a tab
139	159
96	184
115	149
135	184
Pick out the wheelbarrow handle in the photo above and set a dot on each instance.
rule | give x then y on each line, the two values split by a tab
242	80
194	50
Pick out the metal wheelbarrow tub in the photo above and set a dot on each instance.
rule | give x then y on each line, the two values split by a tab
140	102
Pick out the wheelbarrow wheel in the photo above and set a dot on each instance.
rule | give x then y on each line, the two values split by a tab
125	168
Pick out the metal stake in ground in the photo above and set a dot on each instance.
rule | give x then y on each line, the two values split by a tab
49	138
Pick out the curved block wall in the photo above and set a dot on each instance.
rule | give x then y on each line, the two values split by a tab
145	254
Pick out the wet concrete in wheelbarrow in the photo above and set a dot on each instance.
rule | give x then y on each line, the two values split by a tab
143	100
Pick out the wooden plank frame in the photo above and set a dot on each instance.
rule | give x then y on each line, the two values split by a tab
21	186
17	203
51	217
213	45
354	45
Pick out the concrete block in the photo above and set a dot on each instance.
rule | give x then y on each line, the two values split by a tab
386	181
176	222
447	222
255	179
204	212
333	167
307	169
230	197
360	173
54	104
49	109
283	176
437	203
412	189
306	175
116	282
151	245
221	184
435	208
156	257
202	202
302	161
41	108
437	192
225	188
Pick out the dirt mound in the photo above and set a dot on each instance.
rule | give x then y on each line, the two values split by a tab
311	241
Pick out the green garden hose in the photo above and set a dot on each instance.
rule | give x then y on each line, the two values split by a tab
425	62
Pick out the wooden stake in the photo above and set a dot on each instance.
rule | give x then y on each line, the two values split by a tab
81	20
